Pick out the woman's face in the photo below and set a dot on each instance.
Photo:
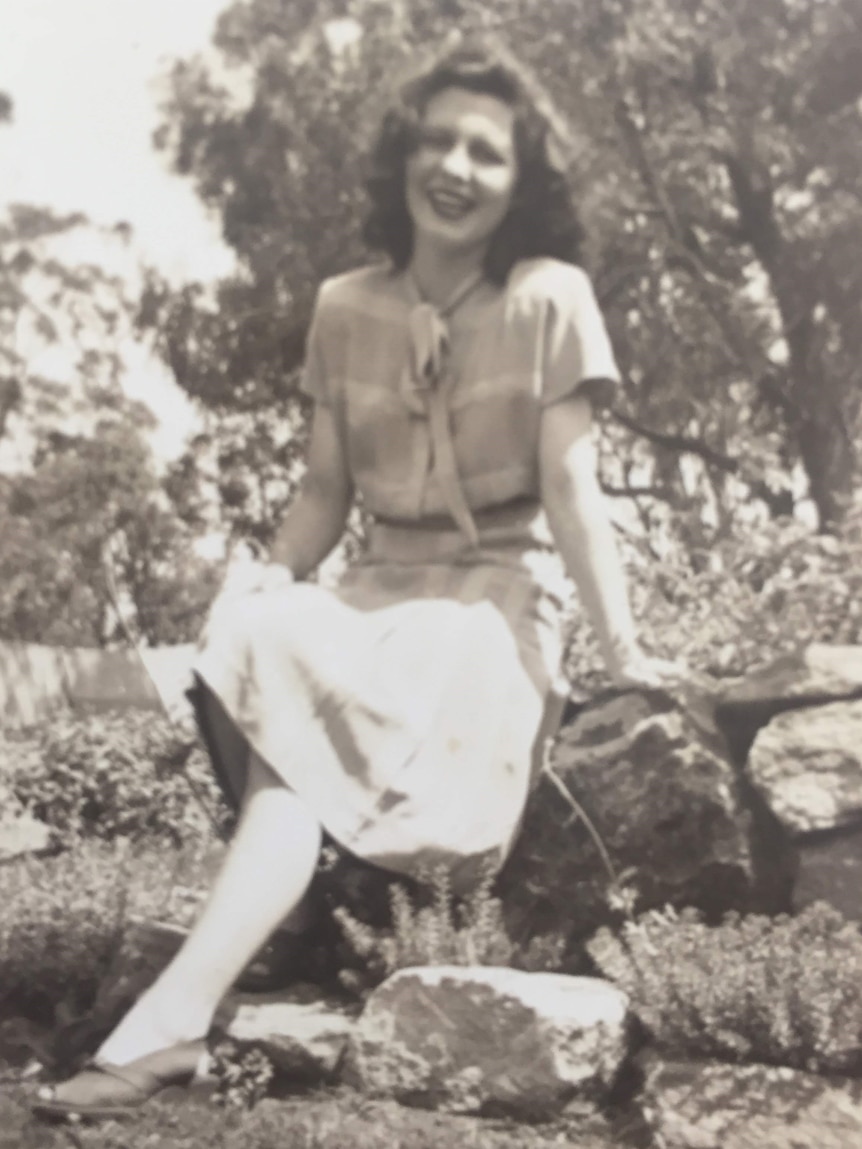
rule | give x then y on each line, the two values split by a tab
462	174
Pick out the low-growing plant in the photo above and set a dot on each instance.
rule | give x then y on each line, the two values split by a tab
325	1119
122	774
243	1075
64	918
441	929
785	990
61	923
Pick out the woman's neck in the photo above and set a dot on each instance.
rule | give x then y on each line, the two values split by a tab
439	273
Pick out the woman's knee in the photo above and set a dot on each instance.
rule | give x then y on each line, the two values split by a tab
273	798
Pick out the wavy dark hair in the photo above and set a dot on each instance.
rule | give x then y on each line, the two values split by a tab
542	219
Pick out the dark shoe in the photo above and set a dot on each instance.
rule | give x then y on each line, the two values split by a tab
103	1090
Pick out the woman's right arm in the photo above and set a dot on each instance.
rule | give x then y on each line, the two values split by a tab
318	515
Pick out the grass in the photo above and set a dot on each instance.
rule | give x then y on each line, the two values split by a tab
326	1119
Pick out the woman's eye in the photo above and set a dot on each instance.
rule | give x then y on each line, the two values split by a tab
486	154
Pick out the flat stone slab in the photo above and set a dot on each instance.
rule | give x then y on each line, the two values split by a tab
303	1038
710	1105
812	676
489	1040
807	764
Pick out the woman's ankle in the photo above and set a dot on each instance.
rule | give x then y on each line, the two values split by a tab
155	1023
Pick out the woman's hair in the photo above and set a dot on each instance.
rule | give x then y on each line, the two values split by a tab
542	219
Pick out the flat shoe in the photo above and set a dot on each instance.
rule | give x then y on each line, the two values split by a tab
104	1090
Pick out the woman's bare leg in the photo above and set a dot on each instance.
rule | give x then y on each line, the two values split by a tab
266	872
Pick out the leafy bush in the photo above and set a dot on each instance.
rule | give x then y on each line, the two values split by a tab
61	923
123	774
786	991
63	919
739	602
441	932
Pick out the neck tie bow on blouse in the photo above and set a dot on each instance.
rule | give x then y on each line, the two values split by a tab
425	387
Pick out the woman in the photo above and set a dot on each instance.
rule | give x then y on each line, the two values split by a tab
404	712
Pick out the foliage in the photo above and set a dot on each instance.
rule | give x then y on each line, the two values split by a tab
243	1075
63	320
440	932
123	774
786	991
715	154
83	497
62	921
736	606
65	917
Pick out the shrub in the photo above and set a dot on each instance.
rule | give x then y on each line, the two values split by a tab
61	923
785	991
63	919
444	931
752	594
122	774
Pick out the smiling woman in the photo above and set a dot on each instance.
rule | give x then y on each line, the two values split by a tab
462	172
404	713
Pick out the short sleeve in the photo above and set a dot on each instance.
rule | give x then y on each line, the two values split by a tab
578	352
315	378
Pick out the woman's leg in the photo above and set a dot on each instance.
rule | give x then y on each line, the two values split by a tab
266	872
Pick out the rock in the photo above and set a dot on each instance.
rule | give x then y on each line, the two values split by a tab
711	1105
489	1040
813	676
655	779
808	766
302	1036
21	833
830	870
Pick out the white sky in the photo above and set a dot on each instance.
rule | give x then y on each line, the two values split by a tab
84	76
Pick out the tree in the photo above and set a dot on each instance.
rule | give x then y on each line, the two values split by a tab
717	148
86	500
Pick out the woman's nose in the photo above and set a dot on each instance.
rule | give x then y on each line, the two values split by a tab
456	161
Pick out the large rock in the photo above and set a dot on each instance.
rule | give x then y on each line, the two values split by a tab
808	766
813	676
303	1036
486	1040
711	1105
654	777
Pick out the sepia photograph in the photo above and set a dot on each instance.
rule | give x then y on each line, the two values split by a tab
431	574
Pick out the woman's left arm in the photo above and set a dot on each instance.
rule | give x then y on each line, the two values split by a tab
584	535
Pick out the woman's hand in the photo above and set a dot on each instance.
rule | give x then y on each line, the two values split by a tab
248	575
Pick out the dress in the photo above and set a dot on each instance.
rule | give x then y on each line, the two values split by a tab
409	705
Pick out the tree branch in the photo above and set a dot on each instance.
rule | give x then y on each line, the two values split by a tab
683	444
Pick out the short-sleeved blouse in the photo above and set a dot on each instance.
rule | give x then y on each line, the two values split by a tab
408	706
515	349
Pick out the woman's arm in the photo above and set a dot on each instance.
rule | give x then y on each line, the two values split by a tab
582	530
318	514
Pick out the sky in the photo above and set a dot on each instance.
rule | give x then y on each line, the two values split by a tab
85	78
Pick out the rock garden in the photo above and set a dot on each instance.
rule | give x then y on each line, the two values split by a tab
671	956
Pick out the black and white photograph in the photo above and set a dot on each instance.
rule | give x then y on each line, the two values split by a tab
430	574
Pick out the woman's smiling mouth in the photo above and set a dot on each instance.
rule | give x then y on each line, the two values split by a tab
449	204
